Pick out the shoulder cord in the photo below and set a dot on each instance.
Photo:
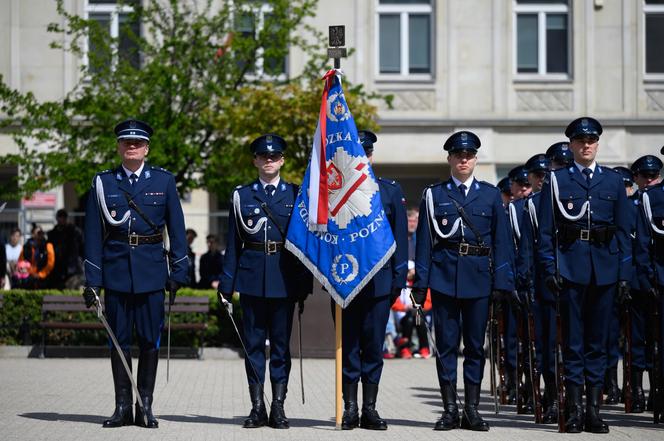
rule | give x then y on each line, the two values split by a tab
238	217
533	214
646	208
101	200
432	218
555	195
514	221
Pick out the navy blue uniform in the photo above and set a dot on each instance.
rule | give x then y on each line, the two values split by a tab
462	283
266	276
594	253
133	274
365	319
650	250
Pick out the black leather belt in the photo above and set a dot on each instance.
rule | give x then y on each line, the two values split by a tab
135	239
466	249
269	247
596	235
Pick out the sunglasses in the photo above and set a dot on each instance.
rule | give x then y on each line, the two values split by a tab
271	156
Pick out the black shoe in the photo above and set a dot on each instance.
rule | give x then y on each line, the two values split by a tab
123	415
573	409
450	418
147	375
370	418
638	396
550	415
611	388
278	418
471	418
594	423
511	387
258	415
351	417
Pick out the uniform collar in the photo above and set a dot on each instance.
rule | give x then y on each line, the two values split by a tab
137	172
468	182
591	166
275	183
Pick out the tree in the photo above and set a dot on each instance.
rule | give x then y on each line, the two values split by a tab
205	77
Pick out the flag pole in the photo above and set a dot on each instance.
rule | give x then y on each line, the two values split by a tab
338	348
337	38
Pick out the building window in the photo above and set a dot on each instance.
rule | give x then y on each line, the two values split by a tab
405	30
250	22
654	36
542	38
117	20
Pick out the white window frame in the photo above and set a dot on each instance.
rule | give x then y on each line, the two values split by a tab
647	9
114	10
403	11
260	11
541	10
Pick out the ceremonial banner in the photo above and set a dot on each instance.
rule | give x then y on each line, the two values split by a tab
338	228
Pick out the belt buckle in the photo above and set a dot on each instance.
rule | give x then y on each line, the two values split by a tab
270	247
585	235
133	240
463	248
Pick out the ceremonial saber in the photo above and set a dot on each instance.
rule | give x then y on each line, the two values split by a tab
228	306
338	353
168	347
299	325
102	318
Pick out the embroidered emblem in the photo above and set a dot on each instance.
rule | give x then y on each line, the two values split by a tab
345	262
444	222
570	205
113	213
250	222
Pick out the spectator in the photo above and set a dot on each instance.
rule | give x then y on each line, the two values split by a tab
191	236
13	249
40	255
211	264
413	215
67	242
3	266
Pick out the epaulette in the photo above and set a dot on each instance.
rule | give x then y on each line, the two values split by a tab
488	184
243	185
388	181
105	171
161	169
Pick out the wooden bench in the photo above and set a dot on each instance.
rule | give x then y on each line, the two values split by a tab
75	304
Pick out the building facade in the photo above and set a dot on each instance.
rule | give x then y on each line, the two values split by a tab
513	71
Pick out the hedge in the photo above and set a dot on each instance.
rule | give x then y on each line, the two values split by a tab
20	315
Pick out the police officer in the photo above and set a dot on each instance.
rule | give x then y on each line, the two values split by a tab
560	155
611	388
505	188
127	210
365	319
511	306
462	261
646	170
269	279
543	303
584	229
650	268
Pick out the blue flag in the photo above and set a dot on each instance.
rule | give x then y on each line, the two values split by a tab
339	229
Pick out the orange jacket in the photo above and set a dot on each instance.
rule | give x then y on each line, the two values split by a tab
45	270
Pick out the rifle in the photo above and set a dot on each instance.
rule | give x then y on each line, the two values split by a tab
627	359
492	357
520	363
534	373
560	368
656	388
500	355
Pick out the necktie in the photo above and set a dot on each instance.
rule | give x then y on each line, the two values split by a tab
269	190
587	172
133	178
462	189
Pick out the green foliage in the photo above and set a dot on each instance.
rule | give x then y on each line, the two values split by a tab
190	76
21	314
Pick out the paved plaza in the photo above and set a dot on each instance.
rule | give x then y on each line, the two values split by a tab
68	398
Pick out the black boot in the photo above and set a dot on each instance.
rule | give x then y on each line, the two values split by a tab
611	386
258	415
351	416
551	412
594	423
278	418
638	396
450	418
528	402
147	375
471	418
122	416
511	386
370	418
573	409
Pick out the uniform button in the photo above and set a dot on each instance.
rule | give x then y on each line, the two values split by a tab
592	212
133	218
590	197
